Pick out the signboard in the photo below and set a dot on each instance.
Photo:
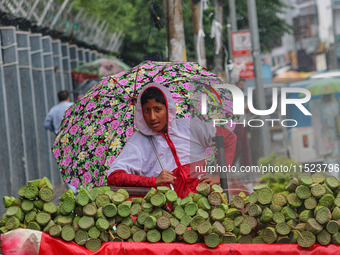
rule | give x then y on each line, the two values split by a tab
243	61
245	67
241	41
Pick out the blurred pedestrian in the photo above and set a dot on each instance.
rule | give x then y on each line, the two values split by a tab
55	115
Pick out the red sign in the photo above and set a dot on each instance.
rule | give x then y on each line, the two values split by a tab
244	66
241	41
243	61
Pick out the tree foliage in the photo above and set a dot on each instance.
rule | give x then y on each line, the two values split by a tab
141	37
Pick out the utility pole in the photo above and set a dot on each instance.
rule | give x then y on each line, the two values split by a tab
218	57
175	30
262	139
233	20
197	16
230	28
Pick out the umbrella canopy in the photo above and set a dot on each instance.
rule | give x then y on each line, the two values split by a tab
324	86
98	68
95	129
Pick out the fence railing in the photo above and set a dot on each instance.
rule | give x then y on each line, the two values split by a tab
33	68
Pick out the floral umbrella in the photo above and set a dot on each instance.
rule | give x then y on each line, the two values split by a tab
324	86
95	129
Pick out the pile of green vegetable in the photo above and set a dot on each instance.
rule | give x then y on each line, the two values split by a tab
277	181
307	212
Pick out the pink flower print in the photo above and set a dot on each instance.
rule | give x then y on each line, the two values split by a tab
91	146
67	160
107	119
205	73
172	87
101	181
169	68
87	177
74	164
119	131
86	122
75	182
127	115
78	151
95	173
83	101
68	111
230	125
172	73
118	114
99	132
120	90
208	152
99	151
159	79
74	129
229	103
67	149
90	105
126	96
87	165
102	161
187	85
110	160
104	81
129	132
106	146
228	109
188	66
56	153
152	73
114	124
68	127
76	140
139	78
177	97
104	100
69	169
187	115
83	140
66	179
226	101
123	82
95	161
199	106
121	106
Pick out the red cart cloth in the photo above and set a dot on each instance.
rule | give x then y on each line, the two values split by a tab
23	242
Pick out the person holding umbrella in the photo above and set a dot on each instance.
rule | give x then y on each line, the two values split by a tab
167	150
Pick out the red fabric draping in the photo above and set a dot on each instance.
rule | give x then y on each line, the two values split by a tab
55	246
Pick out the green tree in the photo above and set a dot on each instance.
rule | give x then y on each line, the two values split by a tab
141	37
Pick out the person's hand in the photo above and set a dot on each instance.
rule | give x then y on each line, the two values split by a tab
210	179
165	177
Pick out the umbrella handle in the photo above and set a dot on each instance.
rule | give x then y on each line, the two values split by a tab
159	159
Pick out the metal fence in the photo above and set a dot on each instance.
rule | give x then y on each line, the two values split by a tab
33	68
